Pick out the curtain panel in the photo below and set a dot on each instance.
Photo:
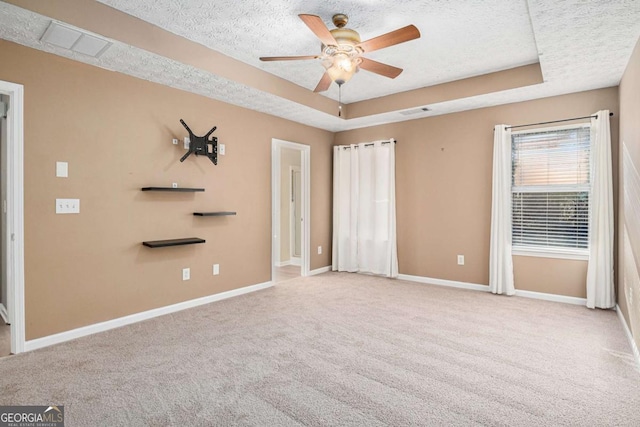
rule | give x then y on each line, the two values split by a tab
600	290
500	260
364	209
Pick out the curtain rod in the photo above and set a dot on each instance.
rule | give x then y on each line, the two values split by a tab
347	147
555	121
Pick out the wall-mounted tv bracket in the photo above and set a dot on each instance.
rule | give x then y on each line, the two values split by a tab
200	145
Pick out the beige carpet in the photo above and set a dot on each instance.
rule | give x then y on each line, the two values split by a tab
348	350
5	339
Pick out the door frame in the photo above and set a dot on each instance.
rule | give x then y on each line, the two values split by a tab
292	222
305	174
15	213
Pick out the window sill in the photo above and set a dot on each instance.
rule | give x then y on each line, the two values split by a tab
581	255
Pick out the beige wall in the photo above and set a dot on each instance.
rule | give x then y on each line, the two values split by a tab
628	213
288	158
443	184
115	131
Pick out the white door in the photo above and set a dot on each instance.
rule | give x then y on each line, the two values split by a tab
296	213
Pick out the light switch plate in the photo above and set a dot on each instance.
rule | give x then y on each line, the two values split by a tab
216	269
460	259
67	206
62	169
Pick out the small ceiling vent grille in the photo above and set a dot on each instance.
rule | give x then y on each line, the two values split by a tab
415	111
75	39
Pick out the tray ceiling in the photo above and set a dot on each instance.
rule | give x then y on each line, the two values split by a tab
580	45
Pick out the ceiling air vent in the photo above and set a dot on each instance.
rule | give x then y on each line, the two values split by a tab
75	39
415	111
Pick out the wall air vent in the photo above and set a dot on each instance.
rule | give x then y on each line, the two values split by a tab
415	111
75	39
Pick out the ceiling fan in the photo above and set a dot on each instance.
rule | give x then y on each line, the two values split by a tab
342	50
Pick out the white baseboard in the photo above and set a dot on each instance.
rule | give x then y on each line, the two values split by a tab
295	261
137	317
4	314
551	297
283	263
485	288
632	342
320	270
442	282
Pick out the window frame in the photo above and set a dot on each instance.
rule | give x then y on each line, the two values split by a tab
546	251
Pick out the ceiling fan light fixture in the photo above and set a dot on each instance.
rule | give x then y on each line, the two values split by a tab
342	50
342	68
340	64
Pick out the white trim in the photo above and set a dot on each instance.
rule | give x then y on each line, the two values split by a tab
551	297
580	254
292	221
485	288
4	314
632	342
283	263
443	282
15	214
295	260
138	317
320	270
305	166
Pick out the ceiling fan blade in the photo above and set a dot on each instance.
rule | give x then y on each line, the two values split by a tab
324	83
410	32
287	58
380	68
318	27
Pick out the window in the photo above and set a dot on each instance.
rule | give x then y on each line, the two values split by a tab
550	190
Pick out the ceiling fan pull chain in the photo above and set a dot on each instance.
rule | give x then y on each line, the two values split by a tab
339	100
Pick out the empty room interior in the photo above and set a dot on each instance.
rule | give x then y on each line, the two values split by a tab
366	213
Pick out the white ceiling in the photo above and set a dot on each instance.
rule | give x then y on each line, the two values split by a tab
580	44
459	38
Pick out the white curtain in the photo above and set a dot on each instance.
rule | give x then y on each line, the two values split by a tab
600	292
364	208
500	261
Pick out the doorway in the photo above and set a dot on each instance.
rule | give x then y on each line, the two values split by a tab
5	324
11	211
290	210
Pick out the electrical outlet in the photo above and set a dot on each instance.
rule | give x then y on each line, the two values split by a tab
187	141
216	269
221	149
186	273
319	250
175	141
460	259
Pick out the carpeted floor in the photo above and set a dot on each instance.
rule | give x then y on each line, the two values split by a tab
5	339
348	350
288	272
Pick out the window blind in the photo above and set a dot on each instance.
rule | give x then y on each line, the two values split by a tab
550	188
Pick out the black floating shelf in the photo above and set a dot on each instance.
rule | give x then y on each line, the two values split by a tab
213	213
179	189
173	242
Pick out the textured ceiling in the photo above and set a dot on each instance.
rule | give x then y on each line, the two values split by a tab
459	38
582	45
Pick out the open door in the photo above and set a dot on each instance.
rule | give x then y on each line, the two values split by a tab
290	183
11	209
